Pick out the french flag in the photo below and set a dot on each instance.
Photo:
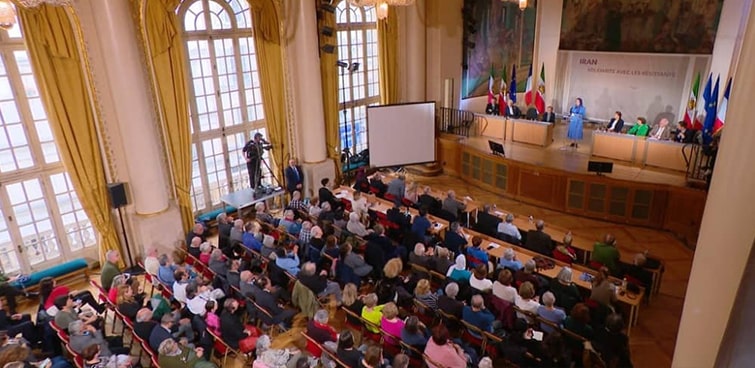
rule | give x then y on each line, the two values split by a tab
721	116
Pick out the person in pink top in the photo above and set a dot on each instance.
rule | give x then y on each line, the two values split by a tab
211	318
441	351
390	323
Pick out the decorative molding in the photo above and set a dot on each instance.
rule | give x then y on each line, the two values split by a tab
111	169
153	214
291	121
138	16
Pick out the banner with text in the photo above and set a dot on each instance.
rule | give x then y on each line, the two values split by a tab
647	85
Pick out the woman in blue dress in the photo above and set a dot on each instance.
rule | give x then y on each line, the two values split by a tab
576	114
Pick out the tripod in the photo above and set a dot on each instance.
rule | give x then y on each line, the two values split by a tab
353	67
259	189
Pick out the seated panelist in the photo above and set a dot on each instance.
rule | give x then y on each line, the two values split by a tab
640	128
616	123
684	135
512	111
549	116
661	131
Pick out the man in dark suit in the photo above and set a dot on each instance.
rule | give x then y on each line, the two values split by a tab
684	135
294	177
428	201
327	196
265	299
397	217
161	332
539	241
549	116
144	324
376	182
487	223
448	303
616	123
512	111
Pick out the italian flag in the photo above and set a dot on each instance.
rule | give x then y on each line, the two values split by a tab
690	118
503	100
540	96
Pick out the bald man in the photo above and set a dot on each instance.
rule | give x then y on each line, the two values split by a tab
661	131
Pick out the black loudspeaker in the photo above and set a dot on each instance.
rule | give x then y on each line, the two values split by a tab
117	194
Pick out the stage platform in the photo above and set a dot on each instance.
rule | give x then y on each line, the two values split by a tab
556	177
559	155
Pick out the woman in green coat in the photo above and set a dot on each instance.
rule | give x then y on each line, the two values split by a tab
640	129
173	355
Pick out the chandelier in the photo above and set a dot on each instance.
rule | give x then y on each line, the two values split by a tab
381	6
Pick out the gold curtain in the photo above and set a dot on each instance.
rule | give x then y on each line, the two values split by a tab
387	32
267	41
56	60
166	50
329	75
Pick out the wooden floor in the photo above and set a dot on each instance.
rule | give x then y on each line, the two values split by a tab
560	156
653	339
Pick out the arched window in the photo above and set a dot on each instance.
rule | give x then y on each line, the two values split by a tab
357	43
224	96
41	219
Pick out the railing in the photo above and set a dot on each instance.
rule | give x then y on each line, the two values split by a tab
454	121
699	161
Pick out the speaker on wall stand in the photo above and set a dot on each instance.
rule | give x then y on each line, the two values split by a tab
118	200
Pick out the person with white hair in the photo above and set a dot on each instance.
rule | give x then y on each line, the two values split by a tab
261	213
306	233
509	260
318	282
549	312
205	249
296	203
225	224
197	230
314	207
453	205
508	228
237	231
567	294
290	223
397	187
355	261
319	330
356	227
268	358
193	246
82	335
359	204
110	269
144	323
326	212
422	256
218	263
485	362
448	303
171	354
151	263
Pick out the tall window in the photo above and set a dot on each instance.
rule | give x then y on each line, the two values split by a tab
41	219
357	43
225	96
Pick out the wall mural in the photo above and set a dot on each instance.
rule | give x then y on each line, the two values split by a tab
496	42
659	26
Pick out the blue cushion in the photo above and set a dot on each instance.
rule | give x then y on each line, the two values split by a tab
54	271
210	216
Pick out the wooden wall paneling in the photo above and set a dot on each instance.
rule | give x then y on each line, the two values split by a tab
448	153
684	212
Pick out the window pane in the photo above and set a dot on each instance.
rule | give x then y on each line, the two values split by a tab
33	220
76	225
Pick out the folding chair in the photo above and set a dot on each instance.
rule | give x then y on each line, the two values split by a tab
222	348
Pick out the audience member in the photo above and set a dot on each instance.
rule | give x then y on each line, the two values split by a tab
197	231
144	324
262	214
314	207
612	344
273	358
356	261
234	332
454	206
346	351
391	324
479	279
288	260
318	283
476	315
538	240
422	256
455	239
564	251
442	260
353	302
527	274
372	358
603	290
508	229
204	252
173	355
566	293
237	231
426	200
319	330
579	321
448	303
290	223
218	263
415	333
166	269
502	287
372	312
211	317
421	225
109	270
606	254
397	187
549	312
265	299
423	293
82	335
129	304
151	263
486	222
440	350
179	286
359	204
509	260
458	272
478	255
526	300
161	332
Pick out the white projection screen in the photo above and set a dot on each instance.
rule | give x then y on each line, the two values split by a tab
401	134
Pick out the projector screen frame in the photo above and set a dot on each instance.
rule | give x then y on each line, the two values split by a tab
435	133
